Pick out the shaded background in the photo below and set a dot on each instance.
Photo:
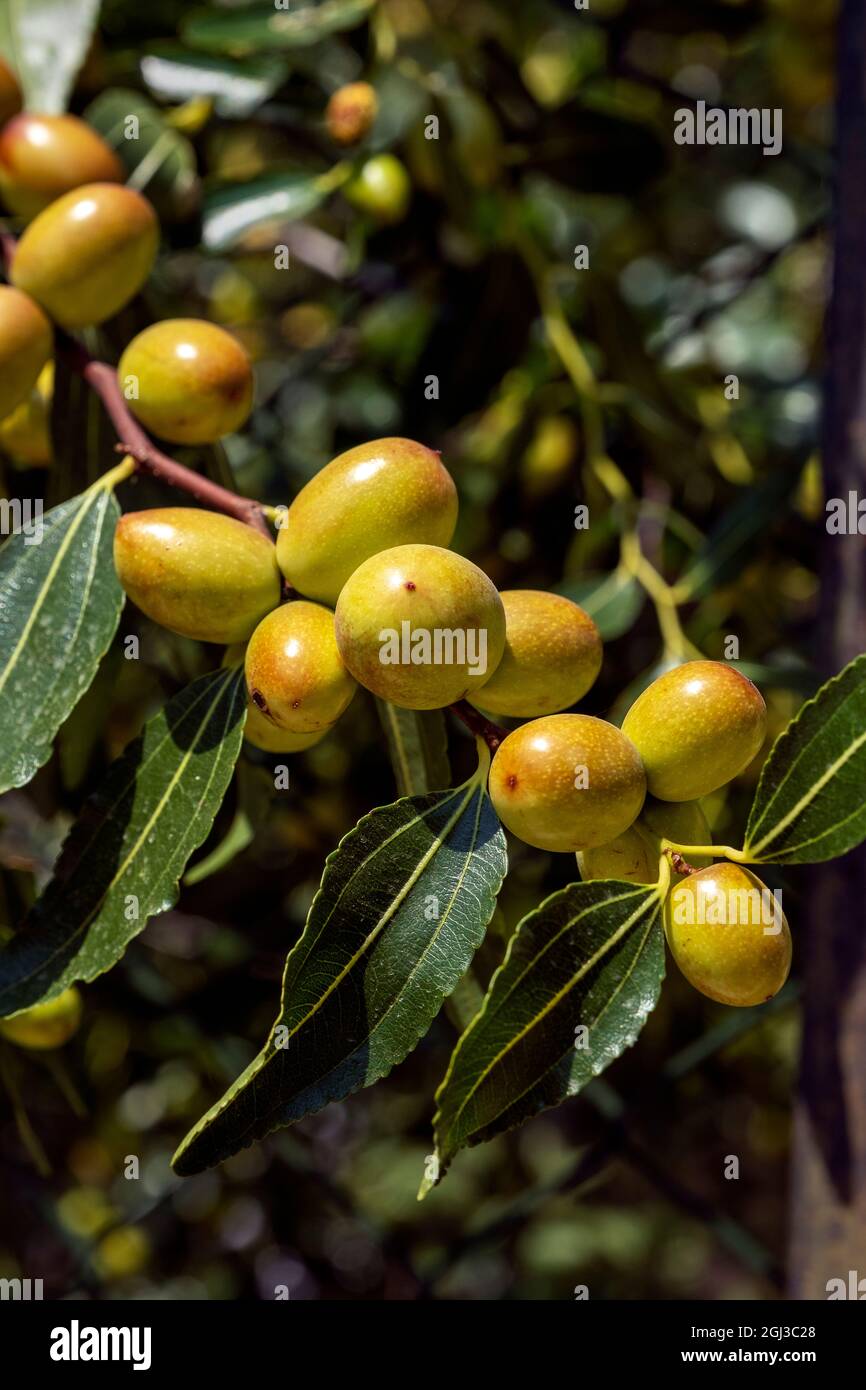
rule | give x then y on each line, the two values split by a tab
556	130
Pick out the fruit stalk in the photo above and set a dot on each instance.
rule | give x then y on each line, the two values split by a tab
478	725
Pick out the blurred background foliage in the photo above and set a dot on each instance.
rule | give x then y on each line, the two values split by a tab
555	131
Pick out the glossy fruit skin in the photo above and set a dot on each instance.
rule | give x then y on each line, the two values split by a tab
45	1025
432	591
10	93
696	727
261	733
26	341
194	380
553	653
295	675
350	113
533	776
25	434
630	857
381	187
43	157
88	253
741	960
197	573
378	495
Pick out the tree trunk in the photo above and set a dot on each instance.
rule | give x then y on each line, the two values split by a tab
828	1191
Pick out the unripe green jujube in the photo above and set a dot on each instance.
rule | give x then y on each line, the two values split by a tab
45	1025
196	572
373	497
381	187
295	675
631	857
728	935
187	380
86	255
567	782
25	433
261	733
43	157
26	340
696	728
420	626
553	653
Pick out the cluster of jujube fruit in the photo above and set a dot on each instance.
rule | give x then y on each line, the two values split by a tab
375	596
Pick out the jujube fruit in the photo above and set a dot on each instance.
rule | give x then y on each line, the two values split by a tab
420	626
553	653
373	497
381	187
695	728
45	1025
567	782
10	93
631	857
88	253
187	380
728	935
295	675
196	572
261	733
25	433
25	346
43	157
351	112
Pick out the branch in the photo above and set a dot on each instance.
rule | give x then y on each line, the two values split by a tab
132	439
478	725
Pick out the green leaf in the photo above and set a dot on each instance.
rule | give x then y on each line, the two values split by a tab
262	27
232	211
592	955
811	800
124	856
613	601
255	788
60	604
159	161
403	905
417	746
731	543
46	41
236	88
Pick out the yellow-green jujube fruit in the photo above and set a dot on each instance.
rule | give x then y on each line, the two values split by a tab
295	675
381	187
728	935
26	341
420	626
567	782
696	727
25	433
351	112
86	255
633	857
45	1025
187	380
373	497
197	573
553	653
43	157
261	733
